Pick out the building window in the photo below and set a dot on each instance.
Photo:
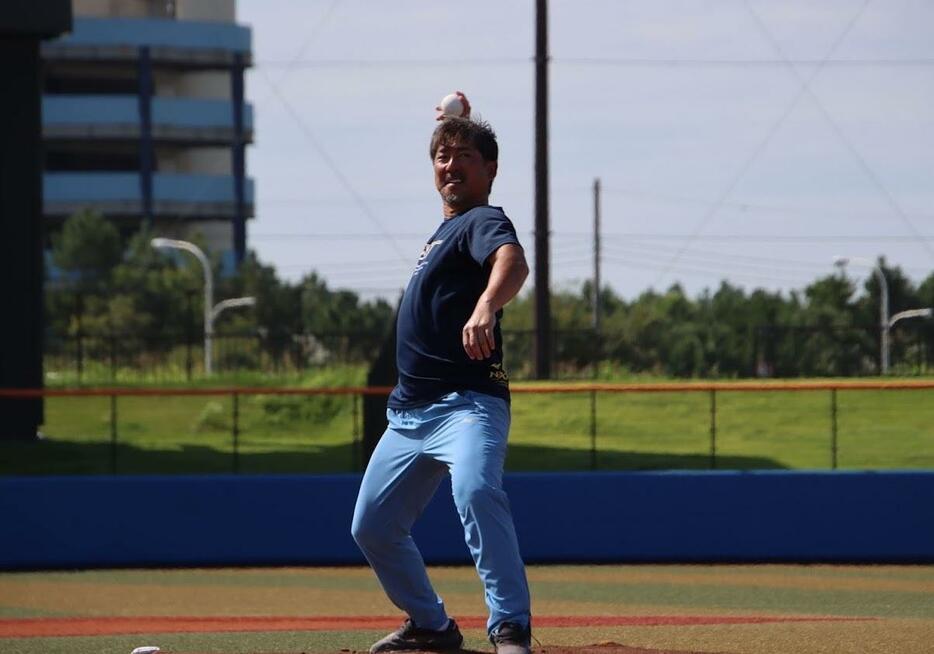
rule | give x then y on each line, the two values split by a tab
113	158
65	82
147	8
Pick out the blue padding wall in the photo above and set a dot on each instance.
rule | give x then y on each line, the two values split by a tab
66	522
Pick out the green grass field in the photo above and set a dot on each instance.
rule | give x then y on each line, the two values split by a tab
876	429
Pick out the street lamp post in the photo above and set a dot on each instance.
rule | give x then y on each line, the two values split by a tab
211	312
910	313
223	305
883	306
173	244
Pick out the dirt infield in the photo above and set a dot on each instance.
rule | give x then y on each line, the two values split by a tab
607	609
598	648
109	626
614	648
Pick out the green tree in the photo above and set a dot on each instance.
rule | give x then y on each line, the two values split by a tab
926	292
87	245
338	320
156	292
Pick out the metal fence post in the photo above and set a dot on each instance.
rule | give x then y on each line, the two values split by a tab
713	429
833	428
189	336
113	434
593	430
79	345
113	357
80	358
188	356
235	428
354	441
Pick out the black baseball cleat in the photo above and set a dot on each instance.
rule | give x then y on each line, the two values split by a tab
409	637
511	638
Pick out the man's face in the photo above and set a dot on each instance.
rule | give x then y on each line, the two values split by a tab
462	177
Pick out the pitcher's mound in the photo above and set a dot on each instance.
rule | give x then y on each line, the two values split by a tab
609	647
606	647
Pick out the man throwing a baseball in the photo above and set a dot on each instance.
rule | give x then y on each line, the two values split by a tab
449	412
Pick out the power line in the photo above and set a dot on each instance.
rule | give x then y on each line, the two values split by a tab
738	205
728	261
568	263
854	153
641	264
390	62
289	65
760	147
744	63
381	290
309	38
726	267
746	206
376	271
319	236
335	170
330	202
381	264
565	248
635	236
725	258
776	238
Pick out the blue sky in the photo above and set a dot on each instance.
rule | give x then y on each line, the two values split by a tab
745	141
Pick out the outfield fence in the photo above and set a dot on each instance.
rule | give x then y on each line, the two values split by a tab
594	412
89	356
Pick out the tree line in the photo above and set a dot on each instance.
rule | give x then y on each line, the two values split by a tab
106	285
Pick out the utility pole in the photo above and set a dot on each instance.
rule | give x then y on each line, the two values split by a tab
596	255
542	263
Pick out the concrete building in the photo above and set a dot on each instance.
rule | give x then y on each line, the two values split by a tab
144	120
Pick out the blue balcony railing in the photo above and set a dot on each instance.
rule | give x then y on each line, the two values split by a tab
75	111
198	113
136	32
103	189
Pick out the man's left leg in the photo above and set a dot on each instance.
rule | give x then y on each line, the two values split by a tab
473	445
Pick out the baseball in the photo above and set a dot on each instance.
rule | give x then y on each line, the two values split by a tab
454	104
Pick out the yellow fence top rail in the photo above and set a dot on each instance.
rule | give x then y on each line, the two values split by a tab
542	388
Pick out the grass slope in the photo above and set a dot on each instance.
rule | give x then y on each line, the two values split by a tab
880	429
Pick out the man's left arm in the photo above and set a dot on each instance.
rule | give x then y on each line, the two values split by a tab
507	273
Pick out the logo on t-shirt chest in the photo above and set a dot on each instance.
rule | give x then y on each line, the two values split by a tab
423	257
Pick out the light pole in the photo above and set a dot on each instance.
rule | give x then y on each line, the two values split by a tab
910	313
223	305
884	324
211	312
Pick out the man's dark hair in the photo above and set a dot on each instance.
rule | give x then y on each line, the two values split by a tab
478	133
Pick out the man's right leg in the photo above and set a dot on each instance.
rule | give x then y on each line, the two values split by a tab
397	485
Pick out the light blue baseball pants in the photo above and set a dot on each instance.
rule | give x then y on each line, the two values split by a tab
464	434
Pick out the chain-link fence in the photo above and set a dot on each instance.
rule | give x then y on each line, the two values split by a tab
767	351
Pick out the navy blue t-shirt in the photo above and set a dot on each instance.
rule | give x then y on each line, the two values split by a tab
449	277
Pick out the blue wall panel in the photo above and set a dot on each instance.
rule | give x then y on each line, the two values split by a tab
677	516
